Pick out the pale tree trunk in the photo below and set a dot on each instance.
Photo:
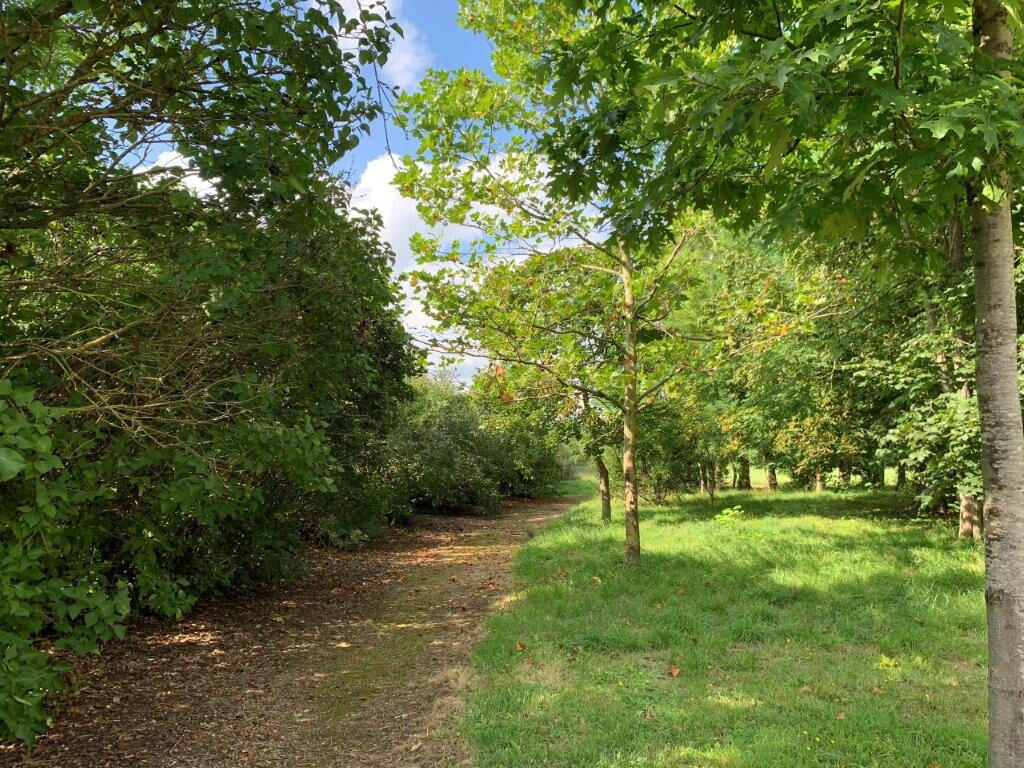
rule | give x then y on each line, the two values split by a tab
629	411
1002	437
744	476
970	517
970	508
606	498
773	479
819	482
702	477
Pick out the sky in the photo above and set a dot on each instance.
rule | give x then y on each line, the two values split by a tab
433	38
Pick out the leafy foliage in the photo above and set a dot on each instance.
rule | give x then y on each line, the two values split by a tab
167	430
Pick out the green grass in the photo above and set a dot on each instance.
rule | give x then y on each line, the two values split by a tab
580	484
811	630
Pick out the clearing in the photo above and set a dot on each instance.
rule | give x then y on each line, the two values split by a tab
361	663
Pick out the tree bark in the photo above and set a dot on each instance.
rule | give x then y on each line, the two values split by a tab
702	471
603	485
1002	435
629	412
901	475
970	517
773	479
744	477
819	482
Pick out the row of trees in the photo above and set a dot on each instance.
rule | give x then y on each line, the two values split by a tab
853	154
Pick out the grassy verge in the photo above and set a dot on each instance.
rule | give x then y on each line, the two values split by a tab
808	630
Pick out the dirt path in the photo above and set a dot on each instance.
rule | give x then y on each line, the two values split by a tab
360	664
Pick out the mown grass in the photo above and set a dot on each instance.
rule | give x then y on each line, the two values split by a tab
810	630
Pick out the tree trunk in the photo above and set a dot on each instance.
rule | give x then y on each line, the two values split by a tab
606	498
629	411
970	517
819	482
880	476
702	471
773	480
1002	436
735	476
844	476
901	475
744	479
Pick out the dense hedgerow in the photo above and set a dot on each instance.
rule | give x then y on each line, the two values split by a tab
200	341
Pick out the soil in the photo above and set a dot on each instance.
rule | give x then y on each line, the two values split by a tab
362	663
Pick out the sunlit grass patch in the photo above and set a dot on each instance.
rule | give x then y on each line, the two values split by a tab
580	484
803	630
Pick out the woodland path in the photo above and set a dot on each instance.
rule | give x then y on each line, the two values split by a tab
362	663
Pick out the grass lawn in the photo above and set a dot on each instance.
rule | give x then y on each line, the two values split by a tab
810	630
580	484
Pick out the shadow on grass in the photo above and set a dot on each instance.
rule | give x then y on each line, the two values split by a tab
811	631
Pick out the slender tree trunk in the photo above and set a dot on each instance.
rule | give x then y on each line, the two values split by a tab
1002	436
773	479
735	476
901	475
970	517
629	412
880	475
844	476
819	482
702	471
603	486
744	478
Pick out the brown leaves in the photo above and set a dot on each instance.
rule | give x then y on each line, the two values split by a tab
520	647
673	671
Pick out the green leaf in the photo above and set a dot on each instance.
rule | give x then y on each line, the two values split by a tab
11	463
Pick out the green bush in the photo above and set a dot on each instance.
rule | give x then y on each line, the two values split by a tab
443	460
451	452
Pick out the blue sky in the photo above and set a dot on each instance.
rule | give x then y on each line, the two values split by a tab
433	38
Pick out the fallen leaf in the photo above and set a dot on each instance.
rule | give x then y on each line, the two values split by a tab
673	671
840	715
520	647
807	689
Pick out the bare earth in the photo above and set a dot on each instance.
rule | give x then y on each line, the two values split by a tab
363	663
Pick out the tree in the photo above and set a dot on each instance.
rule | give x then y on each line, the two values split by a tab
477	168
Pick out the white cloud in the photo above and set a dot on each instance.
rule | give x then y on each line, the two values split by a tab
187	173
410	55
400	220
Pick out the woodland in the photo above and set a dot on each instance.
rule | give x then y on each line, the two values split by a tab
740	278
